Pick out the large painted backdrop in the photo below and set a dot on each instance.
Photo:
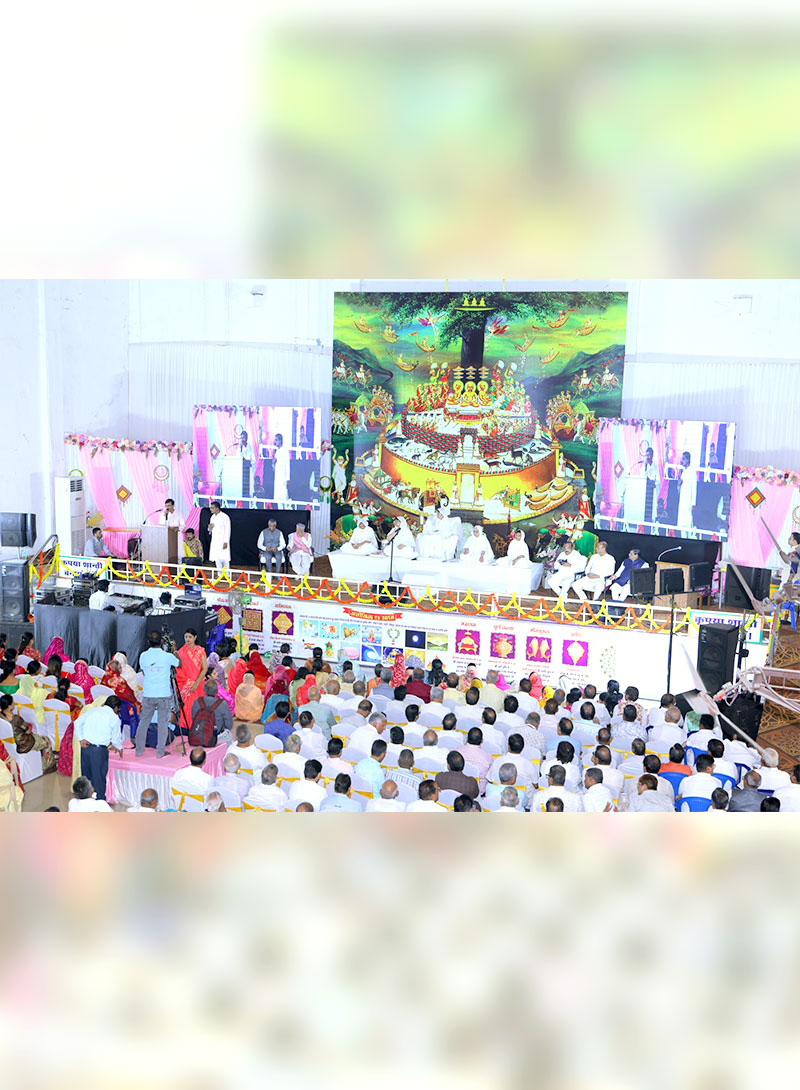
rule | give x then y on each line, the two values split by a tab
488	403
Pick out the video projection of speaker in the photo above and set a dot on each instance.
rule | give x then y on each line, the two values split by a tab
256	457
671	478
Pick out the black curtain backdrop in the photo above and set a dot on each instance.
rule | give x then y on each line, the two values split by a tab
246	525
96	636
690	551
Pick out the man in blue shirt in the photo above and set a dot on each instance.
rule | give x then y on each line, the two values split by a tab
281	722
155	664
341	798
95	546
370	767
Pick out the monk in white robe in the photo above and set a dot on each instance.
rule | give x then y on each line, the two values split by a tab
477	549
439	539
518	555
404	544
362	541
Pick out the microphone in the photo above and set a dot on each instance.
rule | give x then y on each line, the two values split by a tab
674	549
157	511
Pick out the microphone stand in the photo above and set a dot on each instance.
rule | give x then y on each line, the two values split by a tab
674	549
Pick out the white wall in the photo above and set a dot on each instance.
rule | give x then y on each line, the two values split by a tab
66	358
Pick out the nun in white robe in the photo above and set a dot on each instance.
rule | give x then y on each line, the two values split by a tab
362	541
404	544
439	538
518	555
477	549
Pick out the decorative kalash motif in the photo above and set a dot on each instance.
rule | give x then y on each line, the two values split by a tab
485	403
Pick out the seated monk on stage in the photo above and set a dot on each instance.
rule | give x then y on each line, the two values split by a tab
518	556
404	544
439	539
363	541
477	549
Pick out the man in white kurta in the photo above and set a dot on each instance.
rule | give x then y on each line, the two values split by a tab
600	568
439	539
220	526
688	492
363	541
518	555
477	549
280	460
301	555
568	566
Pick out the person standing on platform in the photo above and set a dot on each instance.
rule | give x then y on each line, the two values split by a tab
271	544
220	526
97	731
248	462
652	484
95	546
281	463
599	569
191	673
687	492
301	554
155	664
169	516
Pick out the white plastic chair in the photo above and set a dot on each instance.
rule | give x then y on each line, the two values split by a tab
449	739
48	682
23	660
56	721
268	743
27	715
492	803
429	719
230	798
361	786
101	690
353	755
29	764
413	739
95	672
427	764
405	793
471	770
188	801
67	667
447	798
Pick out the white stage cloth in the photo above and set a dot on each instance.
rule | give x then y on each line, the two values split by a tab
455	575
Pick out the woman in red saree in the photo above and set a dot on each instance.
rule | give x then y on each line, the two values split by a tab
114	680
399	670
66	764
258	669
26	647
192	671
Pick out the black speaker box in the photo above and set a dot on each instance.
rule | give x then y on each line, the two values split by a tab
387	593
14	593
17	530
757	579
670	581
716	654
682	704
700	576
643	582
745	712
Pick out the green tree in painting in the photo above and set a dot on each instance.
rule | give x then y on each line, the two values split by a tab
470	325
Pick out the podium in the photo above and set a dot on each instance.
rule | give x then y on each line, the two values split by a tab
160	544
635	497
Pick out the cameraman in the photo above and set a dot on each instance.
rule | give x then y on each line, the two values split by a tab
155	664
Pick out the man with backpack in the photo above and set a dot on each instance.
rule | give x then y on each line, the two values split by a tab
210	717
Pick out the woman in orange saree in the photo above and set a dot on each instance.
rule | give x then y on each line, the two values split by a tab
192	671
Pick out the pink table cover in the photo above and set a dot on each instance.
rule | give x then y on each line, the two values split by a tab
138	773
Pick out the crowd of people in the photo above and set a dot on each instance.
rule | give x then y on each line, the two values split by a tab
322	736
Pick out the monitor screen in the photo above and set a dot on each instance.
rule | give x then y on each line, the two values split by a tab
257	456
666	477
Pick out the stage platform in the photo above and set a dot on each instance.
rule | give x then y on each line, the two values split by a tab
424	574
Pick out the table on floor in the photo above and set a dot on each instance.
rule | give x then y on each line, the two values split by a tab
454	575
129	775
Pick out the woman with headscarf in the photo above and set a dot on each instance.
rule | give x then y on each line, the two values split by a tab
469	679
362	541
222	688
249	701
277	690
25	739
127	672
477	549
296	684
82	678
114	680
56	647
258	669
518	555
69	753
214	669
405	545
300	551
192	671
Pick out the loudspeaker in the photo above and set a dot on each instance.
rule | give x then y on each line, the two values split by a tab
14	595
745	712
17	531
716	654
700	576
643	582
670	581
757	579
387	593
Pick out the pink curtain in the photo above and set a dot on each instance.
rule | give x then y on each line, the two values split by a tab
182	476
253	425
226	422
103	490
201	446
748	541
151	493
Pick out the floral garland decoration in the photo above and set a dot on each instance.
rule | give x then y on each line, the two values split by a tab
767	473
142	446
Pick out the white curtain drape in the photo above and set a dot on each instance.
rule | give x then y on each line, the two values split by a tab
757	395
168	380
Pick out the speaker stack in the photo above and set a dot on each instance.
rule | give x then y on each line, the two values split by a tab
716	654
757	579
14	592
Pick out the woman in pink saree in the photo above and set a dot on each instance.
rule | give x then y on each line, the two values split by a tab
192	671
56	648
216	673
84	679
